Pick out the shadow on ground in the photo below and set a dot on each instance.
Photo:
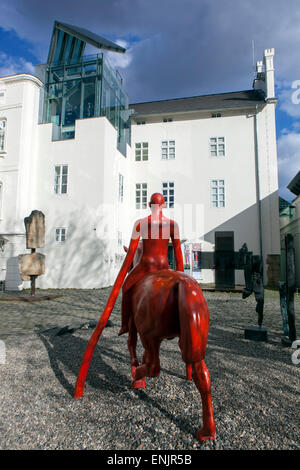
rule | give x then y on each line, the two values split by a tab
245	375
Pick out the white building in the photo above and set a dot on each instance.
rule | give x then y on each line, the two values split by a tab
66	149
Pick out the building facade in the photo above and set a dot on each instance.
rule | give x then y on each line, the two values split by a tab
290	223
72	147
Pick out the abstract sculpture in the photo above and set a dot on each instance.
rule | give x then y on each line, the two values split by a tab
33	265
159	303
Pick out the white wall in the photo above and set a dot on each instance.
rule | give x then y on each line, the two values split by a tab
193	169
17	168
90	208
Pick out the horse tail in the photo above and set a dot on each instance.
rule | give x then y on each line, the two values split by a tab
194	321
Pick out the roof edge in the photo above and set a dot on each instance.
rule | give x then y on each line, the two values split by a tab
195	96
294	184
22	77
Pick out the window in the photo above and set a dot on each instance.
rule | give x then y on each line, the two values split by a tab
168	191
215	115
168	149
119	237
141	151
217	146
121	187
167	120
218	193
3	126
140	122
61	179
141	196
60	234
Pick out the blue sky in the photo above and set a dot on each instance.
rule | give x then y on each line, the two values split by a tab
175	48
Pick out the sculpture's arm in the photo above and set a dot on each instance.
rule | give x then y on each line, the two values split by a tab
177	248
135	237
137	256
107	311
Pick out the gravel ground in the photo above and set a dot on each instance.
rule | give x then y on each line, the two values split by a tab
255	386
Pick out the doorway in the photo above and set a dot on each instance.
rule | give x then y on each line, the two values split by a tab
171	257
224	260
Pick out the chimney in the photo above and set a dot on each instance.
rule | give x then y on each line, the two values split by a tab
259	80
269	73
259	66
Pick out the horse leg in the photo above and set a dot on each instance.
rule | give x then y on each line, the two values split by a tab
188	366
189	370
125	312
202	381
132	342
151	366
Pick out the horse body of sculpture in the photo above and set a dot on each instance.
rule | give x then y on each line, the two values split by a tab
159	303
168	304
165	305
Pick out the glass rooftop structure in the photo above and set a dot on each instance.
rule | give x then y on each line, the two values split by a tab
80	87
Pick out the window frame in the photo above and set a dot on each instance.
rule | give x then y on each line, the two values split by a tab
162	147
218	206
141	202
59	192
121	188
168	189
143	146
119	238
3	151
60	232
217	146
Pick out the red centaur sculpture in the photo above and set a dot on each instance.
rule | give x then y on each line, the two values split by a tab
159	303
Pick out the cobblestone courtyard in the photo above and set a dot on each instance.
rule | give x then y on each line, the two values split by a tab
255	386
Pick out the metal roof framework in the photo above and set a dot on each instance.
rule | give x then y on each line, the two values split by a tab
294	185
68	43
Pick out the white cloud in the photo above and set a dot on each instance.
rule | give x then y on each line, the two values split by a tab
288	147
117	60
13	65
288	98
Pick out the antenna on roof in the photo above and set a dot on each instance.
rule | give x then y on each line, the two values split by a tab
253	58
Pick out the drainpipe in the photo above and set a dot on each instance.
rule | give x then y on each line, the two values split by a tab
257	183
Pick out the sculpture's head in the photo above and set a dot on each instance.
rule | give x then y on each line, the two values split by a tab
157	200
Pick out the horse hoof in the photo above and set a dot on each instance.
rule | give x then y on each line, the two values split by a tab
139	383
204	435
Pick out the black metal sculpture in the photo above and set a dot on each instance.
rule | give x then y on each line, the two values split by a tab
253	272
287	291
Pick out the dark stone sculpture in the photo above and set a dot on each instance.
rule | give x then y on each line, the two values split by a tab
287	291
253	272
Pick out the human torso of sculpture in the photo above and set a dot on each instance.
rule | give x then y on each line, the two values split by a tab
153	251
159	303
